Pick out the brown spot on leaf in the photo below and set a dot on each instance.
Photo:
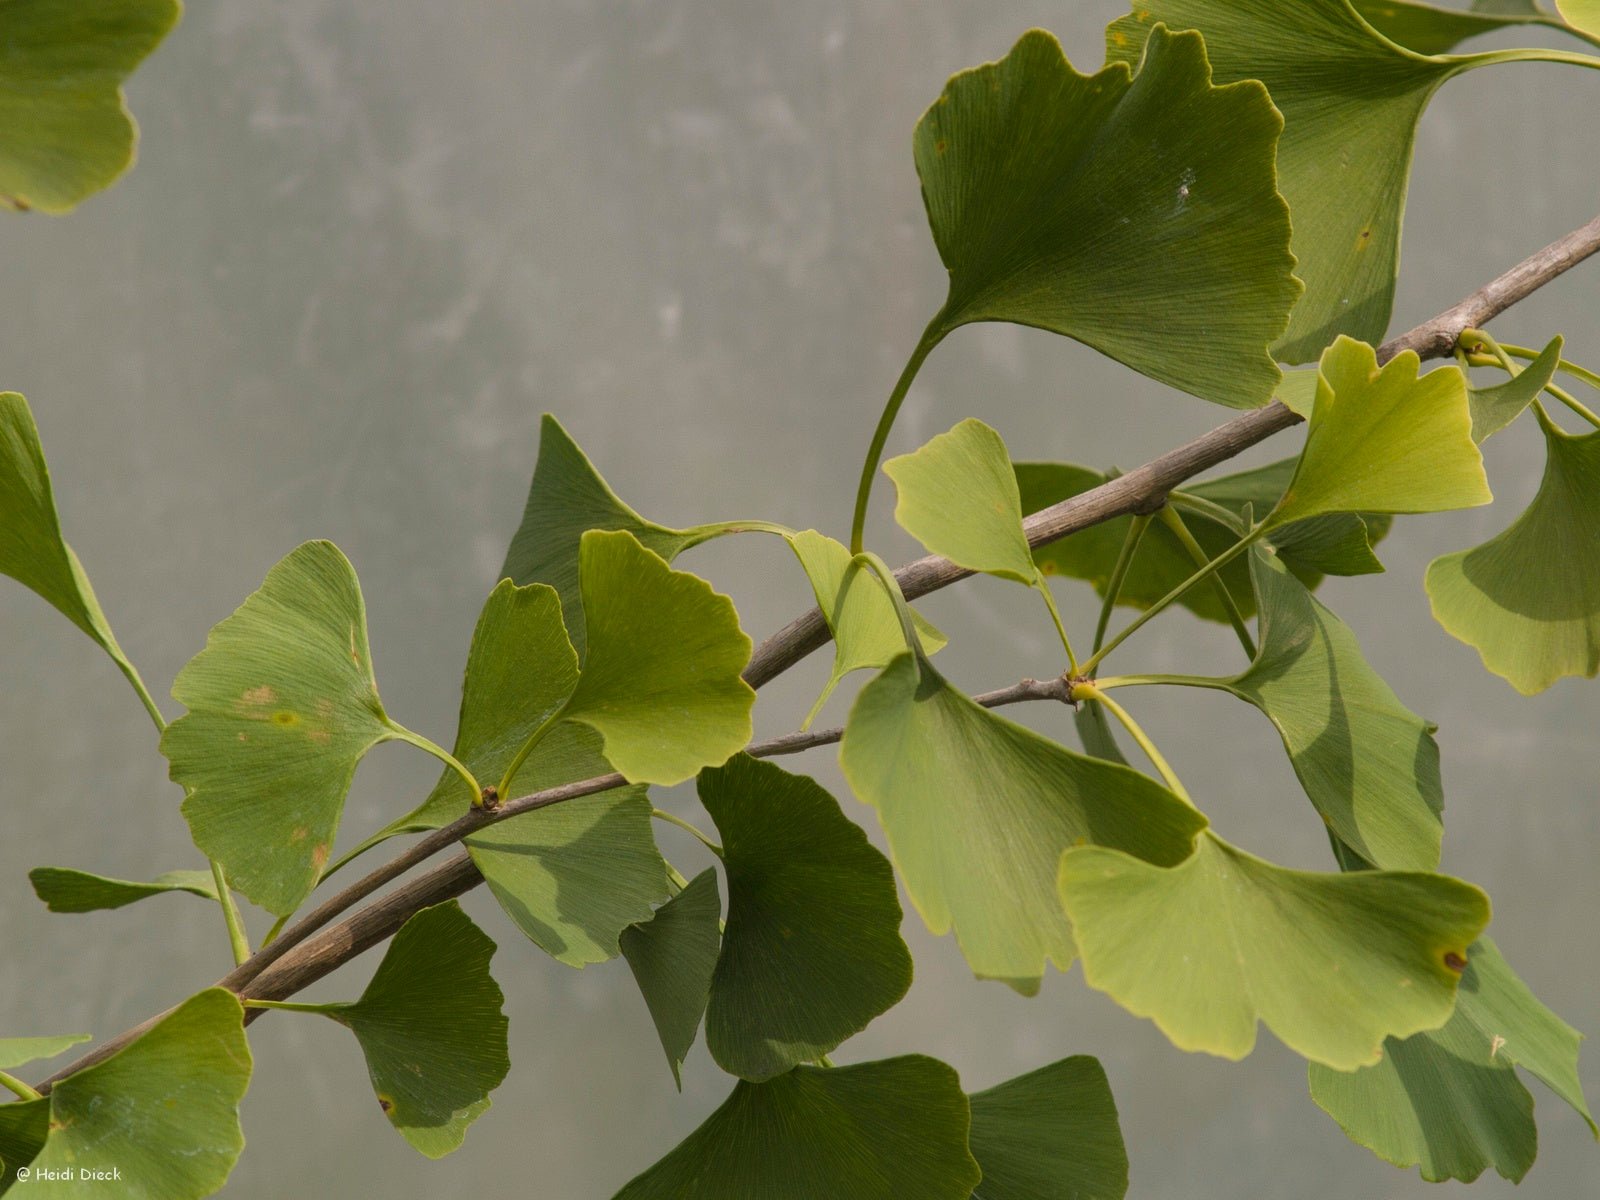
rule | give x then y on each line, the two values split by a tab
940	146
386	1104
1455	962
258	697
321	736
319	856
298	834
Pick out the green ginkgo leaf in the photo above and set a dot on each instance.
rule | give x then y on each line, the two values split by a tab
566	499
67	132
660	681
1349	95
812	949
1339	543
1048	1134
1138	214
65	890
1448	1100
1583	15
575	875
1384	441
958	497
431	1028
163	1110
978	810
282	707
859	611
1528	600
18	1052
1369	765
1493	408
32	549
520	671
887	1130
1331	963
672	956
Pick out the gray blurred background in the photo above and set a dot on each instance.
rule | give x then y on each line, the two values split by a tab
367	245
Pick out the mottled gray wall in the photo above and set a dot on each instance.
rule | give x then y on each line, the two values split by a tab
367	244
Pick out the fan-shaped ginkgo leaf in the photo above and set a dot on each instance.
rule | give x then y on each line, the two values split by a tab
67	132
65	890
431	1028
163	1110
1331	963
282	707
1528	600
672	956
1348	95
978	810
1048	1134
958	497
1448	1100
888	1130
812	949
660	682
1137	213
1384	441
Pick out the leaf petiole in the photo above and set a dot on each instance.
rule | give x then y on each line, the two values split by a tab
931	337
1173	520
1084	690
17	1087
672	819
401	733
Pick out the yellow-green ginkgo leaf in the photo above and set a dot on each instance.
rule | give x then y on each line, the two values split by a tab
163	1110
958	497
32	549
566	499
859	611
1431	30
1448	1100
1384	441
1137	213
1529	600
978	810
1351	99
282	707
1331	963
18	1052
1582	15
67	132
888	1130
1369	765
661	679
1493	408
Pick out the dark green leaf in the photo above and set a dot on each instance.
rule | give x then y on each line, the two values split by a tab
1049	1134
978	810
812	950
672	956
24	1126
282	706
66	890
1135	213
888	1130
1430	30
431	1028
67	131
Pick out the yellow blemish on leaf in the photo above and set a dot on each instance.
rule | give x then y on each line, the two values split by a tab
299	834
1496	1045
285	718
